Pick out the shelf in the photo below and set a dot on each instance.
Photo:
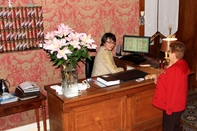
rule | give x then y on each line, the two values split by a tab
21	28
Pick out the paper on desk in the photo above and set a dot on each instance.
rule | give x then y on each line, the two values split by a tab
58	89
130	67
81	86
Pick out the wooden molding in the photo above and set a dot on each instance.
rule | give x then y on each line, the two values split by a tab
141	8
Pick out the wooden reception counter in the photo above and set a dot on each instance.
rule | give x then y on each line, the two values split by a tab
123	107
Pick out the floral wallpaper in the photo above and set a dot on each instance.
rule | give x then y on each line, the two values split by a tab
93	17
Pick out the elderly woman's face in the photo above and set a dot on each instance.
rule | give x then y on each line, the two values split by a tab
109	44
172	55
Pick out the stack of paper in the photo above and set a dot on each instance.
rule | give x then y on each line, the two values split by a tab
8	98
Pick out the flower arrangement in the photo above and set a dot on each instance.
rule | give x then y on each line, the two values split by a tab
68	47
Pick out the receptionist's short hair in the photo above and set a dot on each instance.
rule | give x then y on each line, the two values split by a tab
106	36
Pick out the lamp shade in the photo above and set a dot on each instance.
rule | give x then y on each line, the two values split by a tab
165	46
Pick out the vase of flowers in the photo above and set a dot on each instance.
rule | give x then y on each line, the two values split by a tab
69	81
66	48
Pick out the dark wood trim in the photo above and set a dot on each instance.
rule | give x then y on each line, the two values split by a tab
187	31
141	8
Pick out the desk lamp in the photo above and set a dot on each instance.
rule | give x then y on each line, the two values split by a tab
165	46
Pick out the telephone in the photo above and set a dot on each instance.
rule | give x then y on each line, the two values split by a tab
27	89
27	85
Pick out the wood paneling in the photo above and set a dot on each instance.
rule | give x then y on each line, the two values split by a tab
123	107
128	108
187	30
101	115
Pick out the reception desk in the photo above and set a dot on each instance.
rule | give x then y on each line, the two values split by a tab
123	107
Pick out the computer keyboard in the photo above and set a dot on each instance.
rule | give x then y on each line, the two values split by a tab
137	59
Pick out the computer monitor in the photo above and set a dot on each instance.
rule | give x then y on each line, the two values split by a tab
136	44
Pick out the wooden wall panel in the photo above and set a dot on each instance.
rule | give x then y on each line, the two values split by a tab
187	30
100	116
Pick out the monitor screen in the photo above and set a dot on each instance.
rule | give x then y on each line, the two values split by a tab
136	44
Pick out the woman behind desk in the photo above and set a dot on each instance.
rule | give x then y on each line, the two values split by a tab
104	62
172	87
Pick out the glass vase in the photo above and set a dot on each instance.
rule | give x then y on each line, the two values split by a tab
69	81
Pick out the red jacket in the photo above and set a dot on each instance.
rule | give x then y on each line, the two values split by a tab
172	88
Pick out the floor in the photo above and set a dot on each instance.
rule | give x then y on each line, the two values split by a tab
189	116
30	127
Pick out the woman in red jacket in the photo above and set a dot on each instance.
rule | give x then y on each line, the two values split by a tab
172	88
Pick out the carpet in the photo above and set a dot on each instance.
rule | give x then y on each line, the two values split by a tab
189	116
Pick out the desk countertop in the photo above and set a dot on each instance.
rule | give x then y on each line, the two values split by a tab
95	90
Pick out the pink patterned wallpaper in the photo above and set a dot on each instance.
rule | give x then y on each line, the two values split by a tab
93	17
